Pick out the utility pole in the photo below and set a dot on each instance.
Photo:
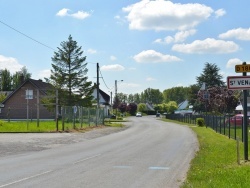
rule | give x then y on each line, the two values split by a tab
97	91
116	98
97	82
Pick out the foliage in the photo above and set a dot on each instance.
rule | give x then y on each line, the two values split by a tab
10	82
132	108
200	122
122	97
210	76
141	107
116	102
169	107
220	100
5	80
2	97
192	93
177	94
152	96
20	76
122	107
172	106
68	75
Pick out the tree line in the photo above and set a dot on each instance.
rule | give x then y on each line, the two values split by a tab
214	98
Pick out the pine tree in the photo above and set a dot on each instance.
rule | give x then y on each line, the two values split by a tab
68	75
210	76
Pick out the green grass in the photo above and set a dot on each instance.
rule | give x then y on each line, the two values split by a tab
44	126
215	164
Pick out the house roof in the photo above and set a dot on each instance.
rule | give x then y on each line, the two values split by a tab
38	84
183	105
105	96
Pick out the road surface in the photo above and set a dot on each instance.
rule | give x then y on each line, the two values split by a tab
149	154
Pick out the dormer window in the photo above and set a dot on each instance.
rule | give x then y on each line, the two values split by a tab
28	94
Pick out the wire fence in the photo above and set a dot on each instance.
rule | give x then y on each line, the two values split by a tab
79	116
64	118
227	125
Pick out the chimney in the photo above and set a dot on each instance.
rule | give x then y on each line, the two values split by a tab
21	78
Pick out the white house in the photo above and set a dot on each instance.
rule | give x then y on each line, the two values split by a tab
104	101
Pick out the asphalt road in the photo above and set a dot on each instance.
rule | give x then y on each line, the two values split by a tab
148	154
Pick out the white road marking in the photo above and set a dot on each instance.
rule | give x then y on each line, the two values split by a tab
123	167
27	178
87	159
158	168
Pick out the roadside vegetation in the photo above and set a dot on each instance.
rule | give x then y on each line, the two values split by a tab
216	163
50	126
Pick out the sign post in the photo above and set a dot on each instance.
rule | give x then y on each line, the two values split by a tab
245	124
243	82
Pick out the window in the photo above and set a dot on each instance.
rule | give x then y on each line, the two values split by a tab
29	94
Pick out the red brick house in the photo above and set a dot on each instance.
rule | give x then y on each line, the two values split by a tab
25	102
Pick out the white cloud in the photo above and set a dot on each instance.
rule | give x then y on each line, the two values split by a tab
10	63
208	45
113	58
151	56
115	67
78	15
166	15
129	85
91	51
232	62
239	33
63	12
150	79
219	13
178	37
44	74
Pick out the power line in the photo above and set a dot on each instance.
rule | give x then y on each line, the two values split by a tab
27	36
104	80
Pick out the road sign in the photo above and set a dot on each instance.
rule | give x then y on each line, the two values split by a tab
242	68
238	82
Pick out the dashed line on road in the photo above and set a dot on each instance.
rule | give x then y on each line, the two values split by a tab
27	178
87	158
122	167
158	168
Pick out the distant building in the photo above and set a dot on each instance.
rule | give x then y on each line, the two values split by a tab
184	108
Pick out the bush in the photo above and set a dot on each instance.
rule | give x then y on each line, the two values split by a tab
200	122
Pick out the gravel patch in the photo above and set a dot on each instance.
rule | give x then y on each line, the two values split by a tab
18	143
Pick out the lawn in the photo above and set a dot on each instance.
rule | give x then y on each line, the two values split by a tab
50	126
215	164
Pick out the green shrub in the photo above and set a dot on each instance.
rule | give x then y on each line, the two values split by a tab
200	122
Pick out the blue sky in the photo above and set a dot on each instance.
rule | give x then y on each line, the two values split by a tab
148	44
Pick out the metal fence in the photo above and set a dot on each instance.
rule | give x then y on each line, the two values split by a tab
78	116
68	117
226	125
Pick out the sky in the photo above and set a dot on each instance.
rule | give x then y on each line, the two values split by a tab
156	44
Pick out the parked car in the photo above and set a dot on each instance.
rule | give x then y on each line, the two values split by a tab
112	116
236	120
138	114
158	114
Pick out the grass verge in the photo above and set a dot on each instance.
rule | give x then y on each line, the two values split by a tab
215	164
